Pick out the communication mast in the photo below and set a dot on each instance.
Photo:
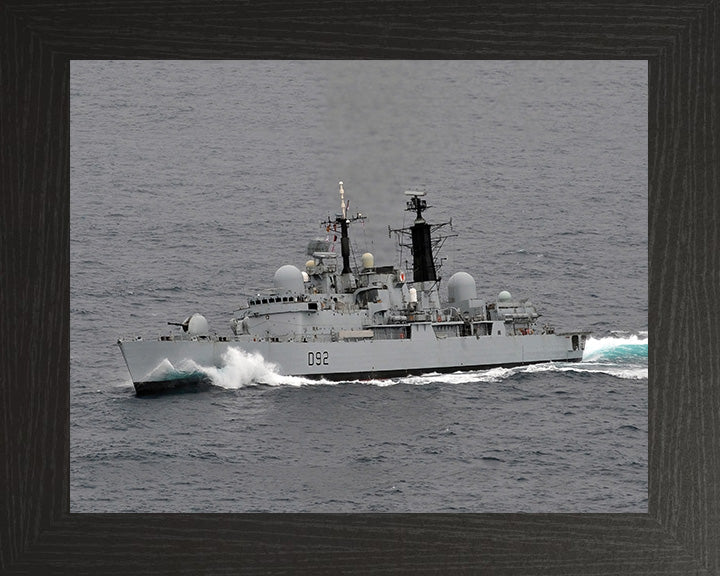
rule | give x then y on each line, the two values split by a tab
422	240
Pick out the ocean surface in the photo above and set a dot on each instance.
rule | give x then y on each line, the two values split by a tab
192	182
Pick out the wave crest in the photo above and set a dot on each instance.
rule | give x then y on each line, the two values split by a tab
241	369
629	348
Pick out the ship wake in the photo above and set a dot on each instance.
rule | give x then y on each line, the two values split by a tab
242	369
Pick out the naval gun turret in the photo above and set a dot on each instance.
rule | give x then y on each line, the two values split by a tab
194	325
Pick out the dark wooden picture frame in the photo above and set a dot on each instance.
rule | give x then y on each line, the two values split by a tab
680	534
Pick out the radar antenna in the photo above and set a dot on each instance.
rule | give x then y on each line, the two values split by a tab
415	204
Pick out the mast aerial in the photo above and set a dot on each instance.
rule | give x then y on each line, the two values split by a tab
342	201
344	221
423	245
423	263
344	238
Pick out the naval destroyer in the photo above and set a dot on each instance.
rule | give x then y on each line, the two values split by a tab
330	320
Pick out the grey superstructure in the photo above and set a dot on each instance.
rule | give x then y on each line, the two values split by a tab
329	321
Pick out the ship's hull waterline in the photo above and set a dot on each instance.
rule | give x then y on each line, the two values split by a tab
160	365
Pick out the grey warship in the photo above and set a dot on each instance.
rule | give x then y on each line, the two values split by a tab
330	321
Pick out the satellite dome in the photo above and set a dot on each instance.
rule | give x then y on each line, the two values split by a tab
461	286
504	296
368	261
289	279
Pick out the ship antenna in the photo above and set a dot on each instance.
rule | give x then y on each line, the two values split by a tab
345	220
423	261
342	200
344	240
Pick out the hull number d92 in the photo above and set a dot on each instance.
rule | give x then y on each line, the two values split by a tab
318	358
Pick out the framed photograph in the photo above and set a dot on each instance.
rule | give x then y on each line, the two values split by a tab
503	368
66	62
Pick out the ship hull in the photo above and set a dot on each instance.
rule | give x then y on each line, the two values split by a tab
161	365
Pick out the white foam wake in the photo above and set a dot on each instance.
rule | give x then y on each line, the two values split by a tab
495	375
627	372
241	369
626	347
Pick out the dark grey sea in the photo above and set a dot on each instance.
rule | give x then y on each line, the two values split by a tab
192	182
